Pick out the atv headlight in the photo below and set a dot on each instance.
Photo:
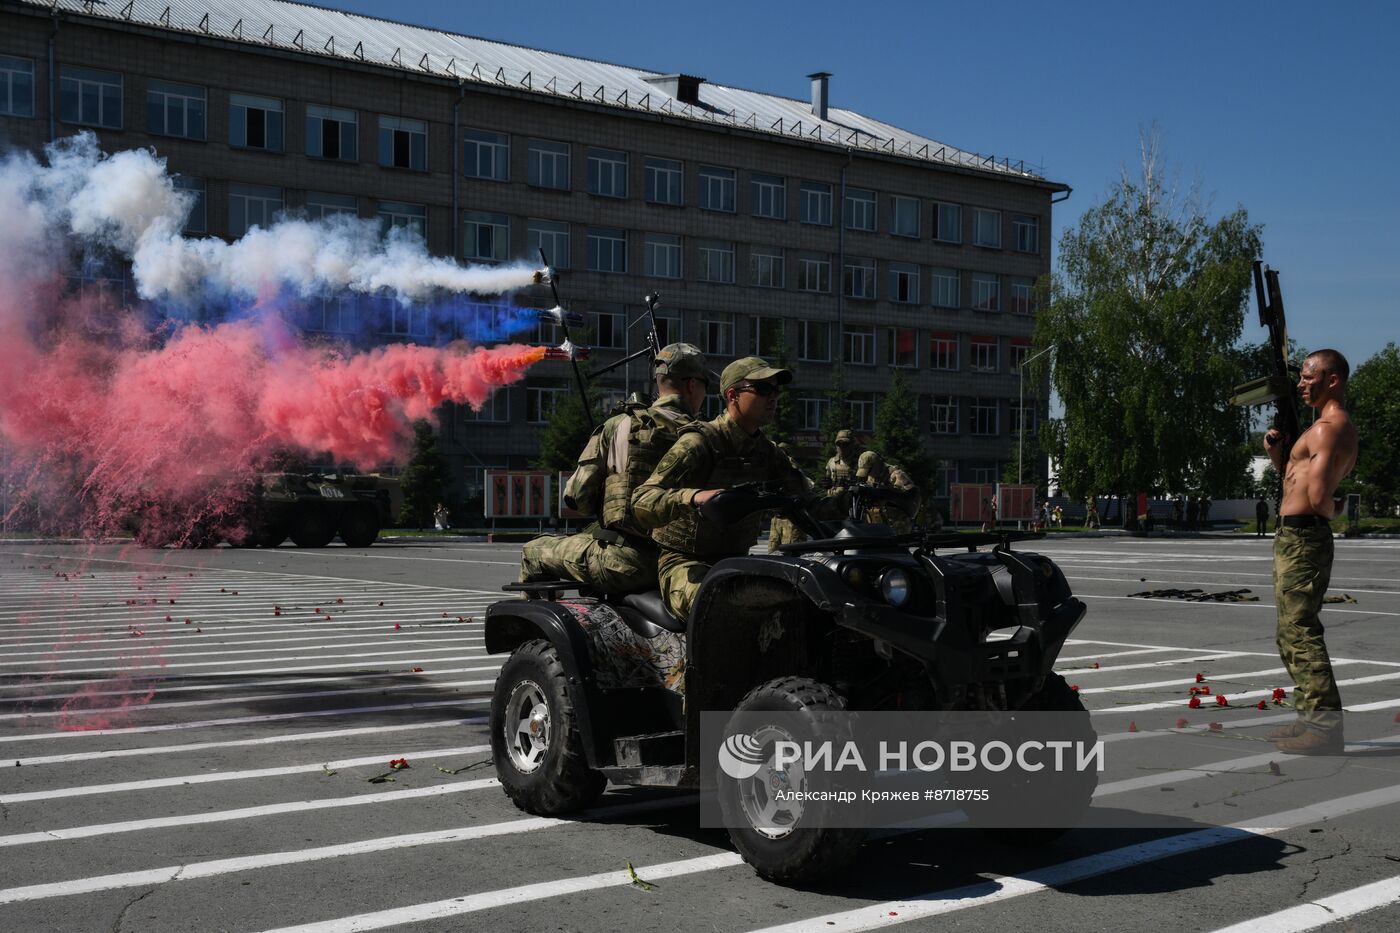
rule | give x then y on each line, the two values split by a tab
894	586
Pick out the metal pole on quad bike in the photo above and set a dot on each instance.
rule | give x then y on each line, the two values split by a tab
652	340
553	278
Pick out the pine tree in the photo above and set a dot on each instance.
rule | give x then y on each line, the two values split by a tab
783	427
837	418
423	479
566	432
897	437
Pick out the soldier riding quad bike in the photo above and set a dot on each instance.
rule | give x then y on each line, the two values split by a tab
600	689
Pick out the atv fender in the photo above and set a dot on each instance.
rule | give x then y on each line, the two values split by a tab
512	622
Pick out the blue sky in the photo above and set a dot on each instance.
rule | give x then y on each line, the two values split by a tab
1290	109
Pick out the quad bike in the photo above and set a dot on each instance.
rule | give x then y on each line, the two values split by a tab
611	688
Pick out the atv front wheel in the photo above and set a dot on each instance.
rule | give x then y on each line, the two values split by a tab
535	743
768	833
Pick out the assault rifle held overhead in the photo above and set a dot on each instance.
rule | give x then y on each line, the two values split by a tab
1280	386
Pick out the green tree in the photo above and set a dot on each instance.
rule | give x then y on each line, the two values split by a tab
897	436
566	432
423	479
1145	316
1373	401
837	418
785	425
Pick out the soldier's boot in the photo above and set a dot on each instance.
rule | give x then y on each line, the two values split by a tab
1313	742
1290	731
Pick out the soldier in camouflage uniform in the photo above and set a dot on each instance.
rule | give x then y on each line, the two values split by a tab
900	521
781	530
708	457
615	555
854	463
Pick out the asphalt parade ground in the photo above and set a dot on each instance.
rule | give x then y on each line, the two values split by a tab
200	741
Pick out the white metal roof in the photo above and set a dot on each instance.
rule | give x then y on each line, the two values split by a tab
318	31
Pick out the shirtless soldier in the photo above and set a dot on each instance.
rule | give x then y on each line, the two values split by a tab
1320	459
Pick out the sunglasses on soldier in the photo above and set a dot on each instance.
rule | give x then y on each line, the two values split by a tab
761	389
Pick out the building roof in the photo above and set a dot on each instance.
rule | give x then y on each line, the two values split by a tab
317	31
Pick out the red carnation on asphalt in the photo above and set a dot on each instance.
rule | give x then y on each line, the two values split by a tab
1221	701
1195	703
1280	694
1096	665
1074	687
1216	727
168	619
1205	691
1263	705
397	626
398	764
418	670
1397	717
340	600
1182	723
1200	677
1132	725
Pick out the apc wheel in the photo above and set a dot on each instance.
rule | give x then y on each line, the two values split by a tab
359	526
535	743
1073	792
768	833
312	528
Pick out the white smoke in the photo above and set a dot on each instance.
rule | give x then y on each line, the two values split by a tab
128	202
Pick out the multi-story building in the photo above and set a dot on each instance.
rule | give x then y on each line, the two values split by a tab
756	217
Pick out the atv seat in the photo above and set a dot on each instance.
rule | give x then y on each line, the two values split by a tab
653	608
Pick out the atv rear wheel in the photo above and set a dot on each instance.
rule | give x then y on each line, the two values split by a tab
312	528
535	743
768	833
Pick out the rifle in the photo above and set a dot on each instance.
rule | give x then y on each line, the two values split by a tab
1279	386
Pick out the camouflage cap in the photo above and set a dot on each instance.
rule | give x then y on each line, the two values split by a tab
754	369
844	435
683	361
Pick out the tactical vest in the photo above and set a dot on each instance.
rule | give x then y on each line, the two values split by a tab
705	540
840	472
638	444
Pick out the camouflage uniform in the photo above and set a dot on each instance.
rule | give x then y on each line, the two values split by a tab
898	520
707	455
616	555
858	465
1302	571
782	531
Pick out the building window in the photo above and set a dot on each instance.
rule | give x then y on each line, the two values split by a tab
610	330
765	336
16	87
984	473
717	262
255	122
550	236
548	164
1027	234
983	416
947	288
486	155
862	407
1023	296
814	274
541	402
607	250
859	278
404	320
197	220
663	256
945	474
717	333
320	205
397	215
947	222
903	346
769	196
943	415
713	407
860	345
251	206
668	328
816	203
811	413
986	228
485	236
982	353
495	409
403	143
1018	354
333	314
1018	412
814	341
89	96
986	293
904	283
766	267
332	133
859	212
904	216
607	173
943	351
175	110
716	188
665	182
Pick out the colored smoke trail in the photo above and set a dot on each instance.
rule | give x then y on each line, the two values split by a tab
102	414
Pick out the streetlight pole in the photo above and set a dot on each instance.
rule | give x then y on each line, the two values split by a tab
1021	414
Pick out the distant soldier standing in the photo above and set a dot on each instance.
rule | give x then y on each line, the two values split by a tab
615	555
901	522
1320	459
854	463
